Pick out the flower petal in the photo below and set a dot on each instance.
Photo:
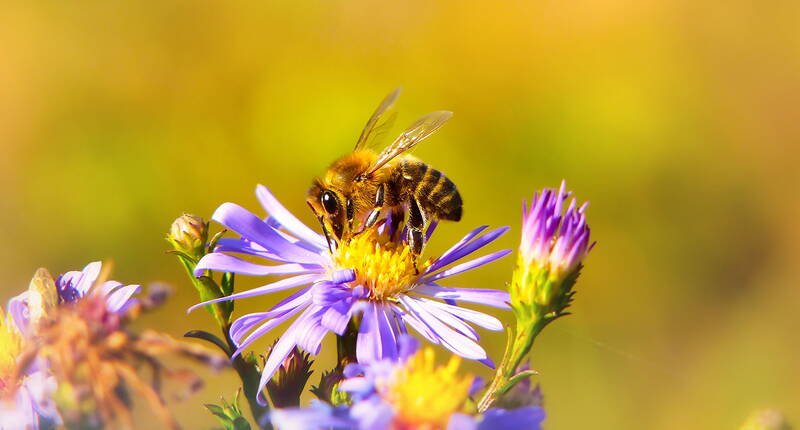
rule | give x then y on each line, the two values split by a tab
253	228
463	267
449	338
287	220
494	298
478	318
368	346
283	284
444	316
119	296
227	263
89	274
467	248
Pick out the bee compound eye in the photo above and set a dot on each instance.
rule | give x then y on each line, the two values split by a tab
329	202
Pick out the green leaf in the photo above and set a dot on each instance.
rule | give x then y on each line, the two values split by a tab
209	337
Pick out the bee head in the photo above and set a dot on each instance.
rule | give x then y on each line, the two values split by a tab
333	209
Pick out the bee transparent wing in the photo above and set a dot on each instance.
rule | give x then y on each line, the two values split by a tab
415	134
380	122
42	296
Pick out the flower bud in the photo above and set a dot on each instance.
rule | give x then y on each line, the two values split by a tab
288	383
328	388
553	246
188	235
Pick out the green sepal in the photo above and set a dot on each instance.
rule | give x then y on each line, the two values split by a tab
229	415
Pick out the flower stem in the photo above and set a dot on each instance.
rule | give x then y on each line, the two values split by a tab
506	375
250	376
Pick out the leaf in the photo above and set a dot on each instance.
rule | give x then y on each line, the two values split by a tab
209	337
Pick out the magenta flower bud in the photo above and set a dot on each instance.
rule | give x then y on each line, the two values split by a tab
553	246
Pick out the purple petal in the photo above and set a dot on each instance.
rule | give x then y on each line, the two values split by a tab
444	316
253	228
268	325
386	333
467	249
243	324
227	263
449	338
88	276
287	220
310	338
18	308
417	325
459	421
358	384
494	298
118	296
283	284
457	246
279	352
527	418
478	318
244	246
312	418
372	414
368	344
463	267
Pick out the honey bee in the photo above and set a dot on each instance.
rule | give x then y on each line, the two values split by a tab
359	186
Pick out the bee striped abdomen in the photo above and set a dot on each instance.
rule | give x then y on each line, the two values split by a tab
436	194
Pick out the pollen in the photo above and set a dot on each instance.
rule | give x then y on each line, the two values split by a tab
385	267
424	395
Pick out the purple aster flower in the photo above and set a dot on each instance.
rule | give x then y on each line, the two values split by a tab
409	393
371	275
73	286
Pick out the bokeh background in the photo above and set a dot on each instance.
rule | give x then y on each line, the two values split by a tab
677	119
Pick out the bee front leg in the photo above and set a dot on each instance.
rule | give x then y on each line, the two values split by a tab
415	226
372	218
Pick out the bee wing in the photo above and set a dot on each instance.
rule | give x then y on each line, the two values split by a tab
380	122
42	295
418	131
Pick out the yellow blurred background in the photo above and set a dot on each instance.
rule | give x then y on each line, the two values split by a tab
677	119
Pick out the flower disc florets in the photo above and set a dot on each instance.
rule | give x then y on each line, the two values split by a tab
424	395
385	267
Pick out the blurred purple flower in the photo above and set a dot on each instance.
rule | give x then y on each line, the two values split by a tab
337	286
73	286
435	392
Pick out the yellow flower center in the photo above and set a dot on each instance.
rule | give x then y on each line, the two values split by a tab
381	265
424	395
10	348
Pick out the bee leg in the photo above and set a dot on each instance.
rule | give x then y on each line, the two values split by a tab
415	236
372	218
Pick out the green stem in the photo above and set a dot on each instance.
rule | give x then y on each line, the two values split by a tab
250	377
506	377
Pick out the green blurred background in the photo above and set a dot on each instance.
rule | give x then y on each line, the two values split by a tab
677	119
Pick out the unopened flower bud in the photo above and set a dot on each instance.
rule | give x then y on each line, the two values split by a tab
553	246
328	388
288	383
188	235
